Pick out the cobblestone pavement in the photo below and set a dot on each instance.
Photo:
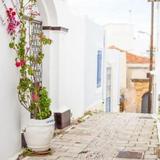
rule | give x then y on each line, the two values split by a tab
103	136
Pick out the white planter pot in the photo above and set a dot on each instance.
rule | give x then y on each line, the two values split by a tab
39	134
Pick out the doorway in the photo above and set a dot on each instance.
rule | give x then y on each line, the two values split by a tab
144	106
108	88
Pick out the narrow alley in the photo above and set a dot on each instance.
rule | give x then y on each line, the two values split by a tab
108	136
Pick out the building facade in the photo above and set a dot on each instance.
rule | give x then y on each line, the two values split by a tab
115	79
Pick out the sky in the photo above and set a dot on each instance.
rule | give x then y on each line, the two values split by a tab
136	12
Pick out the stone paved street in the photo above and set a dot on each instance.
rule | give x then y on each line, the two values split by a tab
103	136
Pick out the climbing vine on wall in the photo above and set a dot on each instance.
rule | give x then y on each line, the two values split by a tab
32	95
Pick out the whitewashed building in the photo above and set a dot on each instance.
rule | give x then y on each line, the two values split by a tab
115	80
120	35
121	38
125	35
72	70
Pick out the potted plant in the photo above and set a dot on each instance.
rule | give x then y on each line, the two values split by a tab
32	95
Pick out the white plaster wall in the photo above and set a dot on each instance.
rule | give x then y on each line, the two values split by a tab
113	59
123	66
93	42
138	72
71	68
77	50
156	84
71	61
51	68
120	35
142	38
10	109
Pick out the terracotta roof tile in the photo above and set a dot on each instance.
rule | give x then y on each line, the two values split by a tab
132	58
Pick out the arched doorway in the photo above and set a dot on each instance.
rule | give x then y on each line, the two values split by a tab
48	12
141	86
144	105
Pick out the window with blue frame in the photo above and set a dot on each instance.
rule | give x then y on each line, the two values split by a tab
99	68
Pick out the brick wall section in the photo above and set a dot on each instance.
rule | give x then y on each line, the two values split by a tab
141	87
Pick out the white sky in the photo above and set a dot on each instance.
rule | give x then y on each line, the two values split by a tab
115	11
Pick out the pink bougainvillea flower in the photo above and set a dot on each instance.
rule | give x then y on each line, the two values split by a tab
35	97
10	9
18	63
23	62
12	22
11	27
7	12
18	23
13	13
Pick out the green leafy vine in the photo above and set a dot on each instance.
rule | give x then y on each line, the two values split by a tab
32	95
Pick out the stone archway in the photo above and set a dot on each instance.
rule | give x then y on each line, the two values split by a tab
48	12
141	87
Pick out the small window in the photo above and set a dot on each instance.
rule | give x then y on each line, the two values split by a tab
99	68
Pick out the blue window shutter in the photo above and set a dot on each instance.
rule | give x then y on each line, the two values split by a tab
99	68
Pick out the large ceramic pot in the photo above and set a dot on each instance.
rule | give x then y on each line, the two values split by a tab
39	134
